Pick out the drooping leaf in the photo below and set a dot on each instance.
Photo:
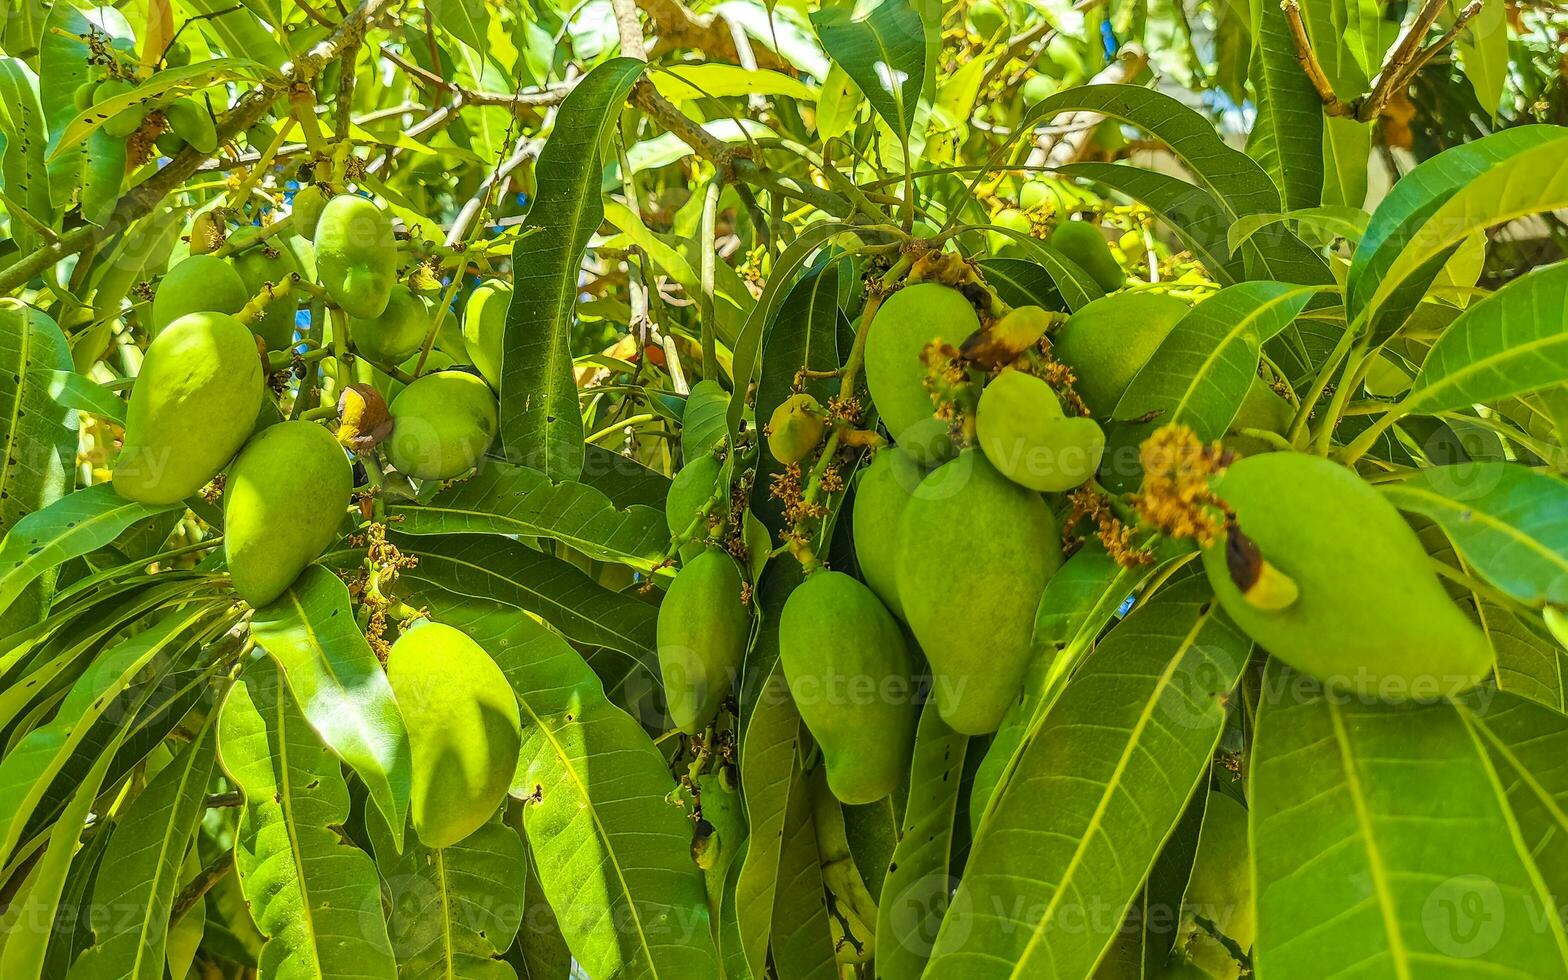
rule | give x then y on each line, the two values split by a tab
1075	285
314	896
802	943
1508	521
1097	790
339	685
541	425
883	49
1483	52
1382	844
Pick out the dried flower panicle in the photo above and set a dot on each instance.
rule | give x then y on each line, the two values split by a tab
1093	505
1175	496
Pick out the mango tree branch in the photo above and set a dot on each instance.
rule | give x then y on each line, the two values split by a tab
142	199
1397	67
1308	59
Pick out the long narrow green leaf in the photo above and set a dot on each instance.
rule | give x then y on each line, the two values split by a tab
541	425
883	49
22	171
340	686
802	943
314	896
1096	793
1384	845
1287	137
141	870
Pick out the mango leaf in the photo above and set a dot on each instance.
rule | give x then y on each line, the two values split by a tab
70	527
1202	370
1076	286
1019	282
1499	347
1508	521
452	907
1530	664
315	896
62	68
1320	224
1401	215
1097	790
141	871
163	87
704	423
883	49
802	943
1383	844
1483	52
1347	145
505	499
32	763
339	685
543	948
498	572
37	434
613	853
466	20
1193	213
1153	926
1287	138
240	29
72	391
23	176
541	424
923	871
716	81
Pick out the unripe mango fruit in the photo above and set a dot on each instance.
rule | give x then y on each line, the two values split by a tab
192	123
356	255
1083	243
262	264
881	494
484	327
1261	408
193	405
905	323
717	838
851	675
977	550
702	632
398	332
1108	341
689	491
795	428
1025	435
442	424
463	730
198	284
1220	890
305	213
125	122
283	502
1370	617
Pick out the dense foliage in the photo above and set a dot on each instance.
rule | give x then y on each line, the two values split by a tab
1012	488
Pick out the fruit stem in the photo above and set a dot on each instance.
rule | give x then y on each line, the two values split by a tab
1298	425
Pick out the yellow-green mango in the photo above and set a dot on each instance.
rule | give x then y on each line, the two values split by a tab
795	428
262	264
442	424
1108	342
283	501
356	255
398	332
1083	243
1013	220
1220	890
127	121
192	123
1025	435
484	327
907	321
689	491
306	210
851	675
1262	408
975	552
702	632
198	284
881	493
463	730
192	407
1370	615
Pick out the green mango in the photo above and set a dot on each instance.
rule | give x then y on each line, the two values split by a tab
1025	435
907	321
192	407
976	552
796	427
398	333
169	143
1220	890
1261	408
852	677
1084	244
82	97
883	490
442	424
1108	342
356	255
125	122
309	201
198	284
1013	220
191	122
1039	87
484	327
258	266
1037	191
463	730
1369	615
717	838
688	492
283	503
701	637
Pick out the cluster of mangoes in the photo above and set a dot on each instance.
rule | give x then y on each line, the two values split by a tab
187	121
201	397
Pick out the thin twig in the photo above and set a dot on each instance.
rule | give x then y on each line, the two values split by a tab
1393	75
201	885
1308	59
